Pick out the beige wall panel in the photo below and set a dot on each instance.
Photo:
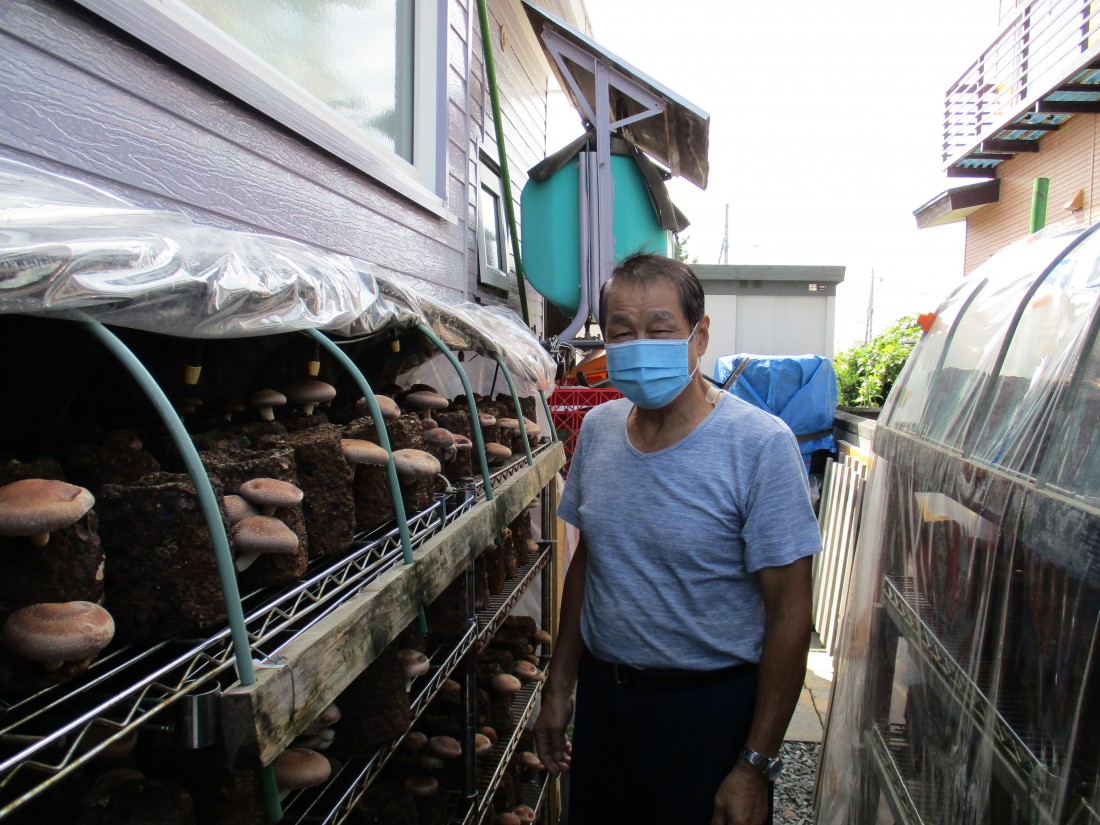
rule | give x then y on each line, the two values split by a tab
1068	158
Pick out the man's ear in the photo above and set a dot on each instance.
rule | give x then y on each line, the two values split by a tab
702	336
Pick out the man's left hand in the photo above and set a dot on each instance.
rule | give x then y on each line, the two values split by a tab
742	798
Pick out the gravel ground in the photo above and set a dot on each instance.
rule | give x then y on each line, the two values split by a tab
794	793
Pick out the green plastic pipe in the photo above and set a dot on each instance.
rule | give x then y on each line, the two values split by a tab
223	557
475	425
549	416
519	409
1039	204
384	442
502	154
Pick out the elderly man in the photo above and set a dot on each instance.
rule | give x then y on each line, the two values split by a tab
685	617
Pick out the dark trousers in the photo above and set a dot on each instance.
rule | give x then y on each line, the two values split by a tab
655	754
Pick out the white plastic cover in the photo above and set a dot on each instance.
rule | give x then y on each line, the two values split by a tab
68	249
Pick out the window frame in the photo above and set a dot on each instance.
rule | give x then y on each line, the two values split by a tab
178	31
488	274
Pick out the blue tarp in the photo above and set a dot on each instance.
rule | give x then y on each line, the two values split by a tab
800	389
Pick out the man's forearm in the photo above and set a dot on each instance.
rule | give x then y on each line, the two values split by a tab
782	671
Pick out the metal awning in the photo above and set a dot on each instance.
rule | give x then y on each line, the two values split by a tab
955	204
652	117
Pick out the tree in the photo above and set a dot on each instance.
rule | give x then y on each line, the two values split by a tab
865	373
679	249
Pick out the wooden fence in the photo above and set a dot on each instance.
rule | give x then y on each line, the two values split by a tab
838	517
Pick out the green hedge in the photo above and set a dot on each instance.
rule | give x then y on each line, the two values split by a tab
866	372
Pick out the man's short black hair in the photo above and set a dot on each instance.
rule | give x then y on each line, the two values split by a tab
643	269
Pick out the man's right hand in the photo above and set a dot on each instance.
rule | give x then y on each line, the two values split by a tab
551	743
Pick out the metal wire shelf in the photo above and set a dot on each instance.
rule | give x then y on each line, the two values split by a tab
518	464
491	618
333	804
49	733
1015	762
500	756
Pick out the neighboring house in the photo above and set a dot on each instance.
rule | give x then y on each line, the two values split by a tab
1024	110
361	128
769	309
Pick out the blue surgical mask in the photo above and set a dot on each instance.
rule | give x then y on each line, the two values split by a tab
651	372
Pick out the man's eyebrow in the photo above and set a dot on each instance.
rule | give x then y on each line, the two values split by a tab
662	315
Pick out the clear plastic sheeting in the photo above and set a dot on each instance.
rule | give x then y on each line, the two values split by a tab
490	330
65	246
967	682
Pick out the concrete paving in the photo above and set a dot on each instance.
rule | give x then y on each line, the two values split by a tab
808	721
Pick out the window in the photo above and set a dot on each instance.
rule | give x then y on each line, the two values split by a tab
492	231
363	80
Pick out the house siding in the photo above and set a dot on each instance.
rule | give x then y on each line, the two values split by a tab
85	99
1067	158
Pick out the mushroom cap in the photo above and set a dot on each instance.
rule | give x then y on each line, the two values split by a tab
488	732
310	392
123	438
462	442
428	424
497	452
267	398
422	786
439	437
263	534
270	492
506	683
529	760
415	464
301	768
445	747
361	451
542	637
58	631
508	424
527	671
430	763
486	420
531	546
237	509
413	663
414	742
532	428
525	813
482	744
424	400
386	405
450	687
38	505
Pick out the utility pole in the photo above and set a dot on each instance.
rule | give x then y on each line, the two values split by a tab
870	308
724	252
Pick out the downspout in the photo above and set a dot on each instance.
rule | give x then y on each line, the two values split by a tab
502	155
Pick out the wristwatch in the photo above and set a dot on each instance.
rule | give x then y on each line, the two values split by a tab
770	766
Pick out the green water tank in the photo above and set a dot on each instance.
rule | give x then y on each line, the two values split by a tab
551	228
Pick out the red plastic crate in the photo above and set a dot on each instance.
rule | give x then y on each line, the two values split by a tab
569	406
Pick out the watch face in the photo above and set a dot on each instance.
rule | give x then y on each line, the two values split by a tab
773	769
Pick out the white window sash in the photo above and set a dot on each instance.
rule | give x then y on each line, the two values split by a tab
187	37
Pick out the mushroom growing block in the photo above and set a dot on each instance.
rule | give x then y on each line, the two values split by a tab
325	479
265	476
370	487
161	577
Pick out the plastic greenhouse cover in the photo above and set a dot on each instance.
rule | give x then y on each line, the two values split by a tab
70	250
966	674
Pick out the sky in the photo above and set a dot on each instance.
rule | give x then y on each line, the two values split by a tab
825	135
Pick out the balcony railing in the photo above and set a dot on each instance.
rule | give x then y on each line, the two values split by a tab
1040	49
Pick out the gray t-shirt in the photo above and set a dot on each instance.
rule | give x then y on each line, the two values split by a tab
675	538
